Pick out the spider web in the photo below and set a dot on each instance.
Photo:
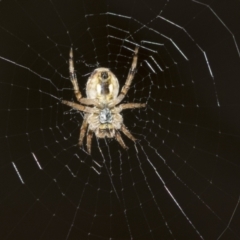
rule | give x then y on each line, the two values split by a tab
181	180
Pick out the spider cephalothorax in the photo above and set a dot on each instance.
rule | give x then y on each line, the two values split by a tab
102	112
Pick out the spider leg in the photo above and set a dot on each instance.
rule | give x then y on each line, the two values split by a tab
83	130
129	79
89	140
88	101
79	107
132	105
120	140
73	76
127	133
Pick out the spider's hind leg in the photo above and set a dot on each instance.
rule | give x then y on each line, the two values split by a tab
73	76
129	79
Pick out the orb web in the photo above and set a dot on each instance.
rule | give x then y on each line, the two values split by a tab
180	180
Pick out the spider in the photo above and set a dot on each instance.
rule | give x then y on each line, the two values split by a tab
102	112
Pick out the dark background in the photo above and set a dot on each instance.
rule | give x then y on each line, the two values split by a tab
182	178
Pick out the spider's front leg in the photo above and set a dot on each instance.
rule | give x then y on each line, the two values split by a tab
127	133
83	130
89	141
120	140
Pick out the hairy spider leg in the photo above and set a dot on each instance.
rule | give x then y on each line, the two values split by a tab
89	140
120	140
129	79
83	130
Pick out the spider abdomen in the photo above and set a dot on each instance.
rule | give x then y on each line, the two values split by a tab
102	85
104	88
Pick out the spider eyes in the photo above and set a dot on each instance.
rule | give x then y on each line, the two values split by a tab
104	75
